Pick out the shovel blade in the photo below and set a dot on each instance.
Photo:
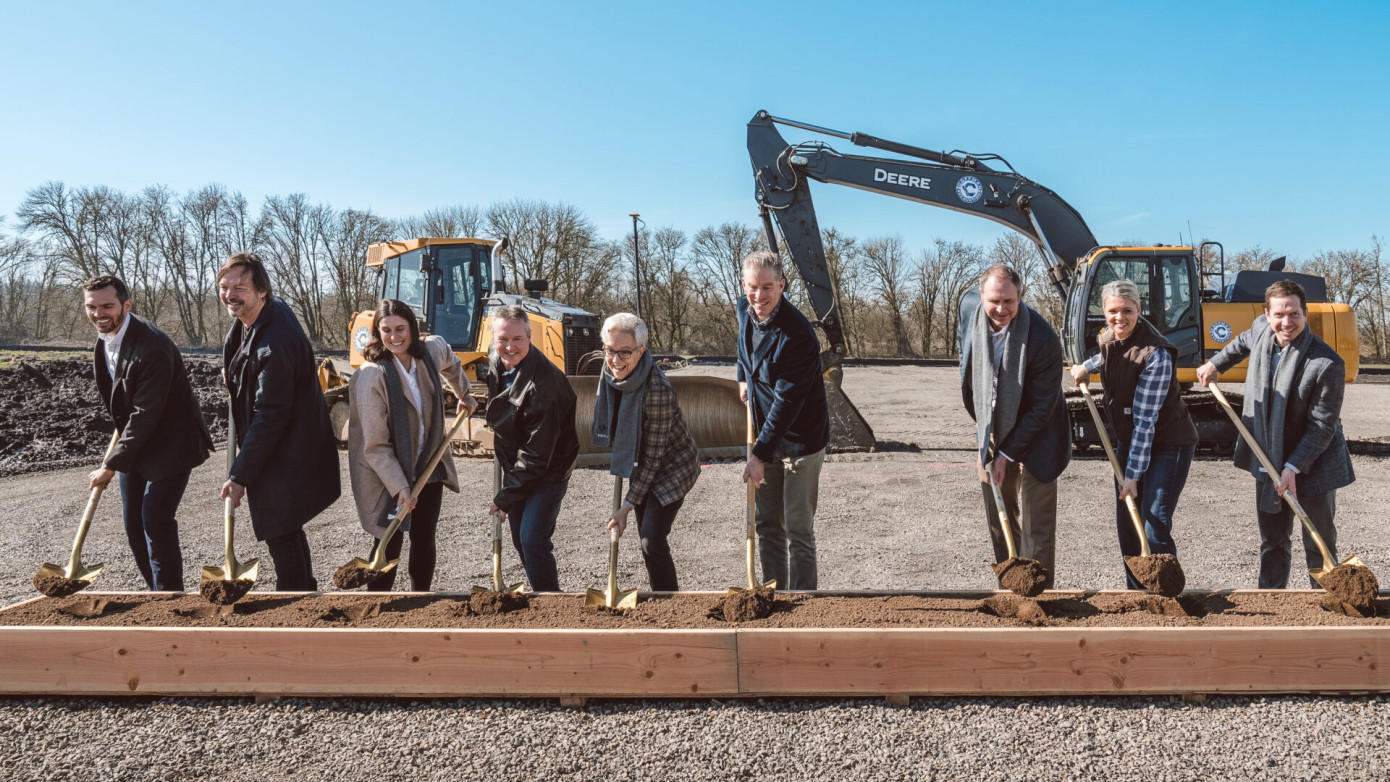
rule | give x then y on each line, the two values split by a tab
1352	560
249	571
595	598
766	585
81	573
211	574
625	601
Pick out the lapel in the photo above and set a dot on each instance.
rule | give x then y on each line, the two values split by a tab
132	333
101	374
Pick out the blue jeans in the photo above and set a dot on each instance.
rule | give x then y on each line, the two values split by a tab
1159	490
532	522
150	526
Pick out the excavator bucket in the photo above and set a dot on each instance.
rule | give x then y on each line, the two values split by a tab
848	429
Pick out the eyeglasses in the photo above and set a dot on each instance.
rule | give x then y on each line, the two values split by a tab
622	354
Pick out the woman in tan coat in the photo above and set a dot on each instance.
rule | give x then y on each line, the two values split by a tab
397	421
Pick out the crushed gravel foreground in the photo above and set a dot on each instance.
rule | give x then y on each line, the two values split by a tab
910	518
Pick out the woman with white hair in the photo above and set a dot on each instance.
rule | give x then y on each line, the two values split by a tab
1155	432
636	414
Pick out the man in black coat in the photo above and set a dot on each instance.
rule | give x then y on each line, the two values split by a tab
145	388
779	376
287	465
1011	384
530	409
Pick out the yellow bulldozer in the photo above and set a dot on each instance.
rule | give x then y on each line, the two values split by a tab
452	284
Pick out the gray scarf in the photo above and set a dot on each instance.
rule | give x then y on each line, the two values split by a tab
994	422
627	433
403	433
1270	402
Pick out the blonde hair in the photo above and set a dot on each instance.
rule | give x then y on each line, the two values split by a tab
1121	289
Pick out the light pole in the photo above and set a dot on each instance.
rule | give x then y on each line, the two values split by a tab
636	261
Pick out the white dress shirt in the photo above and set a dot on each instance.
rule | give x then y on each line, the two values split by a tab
111	343
412	385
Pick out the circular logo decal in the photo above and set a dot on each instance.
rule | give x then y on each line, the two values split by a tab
969	189
360	337
1220	332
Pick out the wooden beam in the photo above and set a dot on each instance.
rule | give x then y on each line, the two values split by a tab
1048	661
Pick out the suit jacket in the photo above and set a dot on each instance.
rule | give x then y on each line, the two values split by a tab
1313	436
532	427
377	477
1041	437
152	403
289	455
784	380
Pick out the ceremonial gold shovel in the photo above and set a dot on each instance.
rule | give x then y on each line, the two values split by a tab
1328	563
57	581
750	525
225	585
359	571
612	597
497	585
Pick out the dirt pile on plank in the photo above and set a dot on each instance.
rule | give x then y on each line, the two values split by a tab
225	593
53	415
1021	576
494	603
747	605
1159	573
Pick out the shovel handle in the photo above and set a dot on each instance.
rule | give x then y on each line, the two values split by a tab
750	519
1115	465
1328	561
1003	513
379	558
75	561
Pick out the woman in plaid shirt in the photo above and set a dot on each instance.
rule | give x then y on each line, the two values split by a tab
1154	432
636	414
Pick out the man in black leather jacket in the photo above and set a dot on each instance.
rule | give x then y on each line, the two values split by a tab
530	410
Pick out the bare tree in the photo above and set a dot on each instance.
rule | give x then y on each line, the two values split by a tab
292	231
844	260
885	262
717	254
558	243
669	285
68	223
345	239
461	222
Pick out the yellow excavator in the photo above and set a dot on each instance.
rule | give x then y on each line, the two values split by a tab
452	284
1198	308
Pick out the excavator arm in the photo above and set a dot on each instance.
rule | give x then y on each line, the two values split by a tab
951	180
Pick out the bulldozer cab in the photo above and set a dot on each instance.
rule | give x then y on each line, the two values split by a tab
1169	289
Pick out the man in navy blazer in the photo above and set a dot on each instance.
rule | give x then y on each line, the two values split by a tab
142	381
1011	384
779	376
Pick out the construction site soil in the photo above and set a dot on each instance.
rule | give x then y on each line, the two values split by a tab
53	416
701	611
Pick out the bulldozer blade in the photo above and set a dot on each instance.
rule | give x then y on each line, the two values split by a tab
710	405
848	429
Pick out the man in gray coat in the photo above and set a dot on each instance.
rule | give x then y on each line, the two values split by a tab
1293	407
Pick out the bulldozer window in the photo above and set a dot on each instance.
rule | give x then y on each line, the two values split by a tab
405	281
464	269
1177	290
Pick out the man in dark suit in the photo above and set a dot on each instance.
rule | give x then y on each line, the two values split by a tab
145	388
1293	407
287	465
530	409
1011	383
779	376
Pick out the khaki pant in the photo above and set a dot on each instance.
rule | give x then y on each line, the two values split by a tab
786	505
1036	536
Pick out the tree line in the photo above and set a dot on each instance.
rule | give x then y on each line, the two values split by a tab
895	300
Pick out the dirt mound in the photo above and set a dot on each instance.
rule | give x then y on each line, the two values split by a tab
1010	606
354	576
1354	585
57	586
52	414
747	605
225	592
1159	573
1021	576
494	603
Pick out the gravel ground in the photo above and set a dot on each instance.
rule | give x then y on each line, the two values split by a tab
910	518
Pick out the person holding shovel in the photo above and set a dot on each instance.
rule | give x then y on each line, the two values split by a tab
1011	384
530	409
395	424
1293	406
142	381
636	414
779	377
287	465
1137	367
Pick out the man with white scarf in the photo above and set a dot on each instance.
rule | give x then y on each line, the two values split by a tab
1293	406
1011	383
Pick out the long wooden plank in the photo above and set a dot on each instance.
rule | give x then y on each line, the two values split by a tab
205	661
1047	661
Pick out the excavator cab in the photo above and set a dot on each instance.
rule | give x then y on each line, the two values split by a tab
1169	290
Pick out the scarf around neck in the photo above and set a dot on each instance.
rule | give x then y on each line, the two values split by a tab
412	460
994	422
1270	405
624	434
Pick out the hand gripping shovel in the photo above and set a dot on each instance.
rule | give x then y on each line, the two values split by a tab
359	571
57	581
497	585
1025	577
228	584
1160	574
750	525
611	597
1360	594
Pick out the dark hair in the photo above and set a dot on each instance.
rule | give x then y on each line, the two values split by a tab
108	281
1285	288
376	348
1002	272
252	263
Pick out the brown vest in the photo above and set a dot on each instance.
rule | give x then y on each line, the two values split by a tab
1124	362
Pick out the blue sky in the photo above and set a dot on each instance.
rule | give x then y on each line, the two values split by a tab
1260	123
